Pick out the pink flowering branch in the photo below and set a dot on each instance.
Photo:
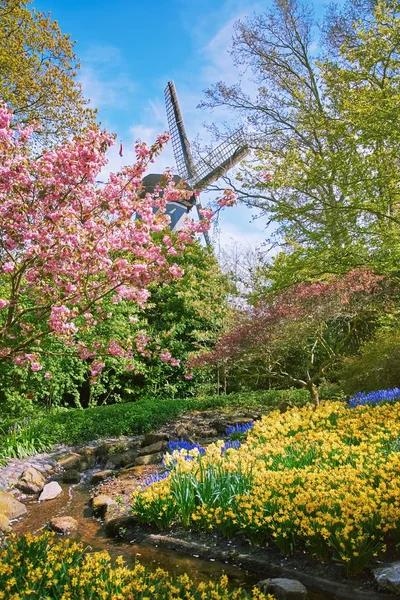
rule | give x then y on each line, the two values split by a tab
67	244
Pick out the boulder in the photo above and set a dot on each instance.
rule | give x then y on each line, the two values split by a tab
153	438
148	459
121	459
10	507
283	589
153	448
72	476
89	457
50	491
70	461
388	577
101	503
117	526
4	524
63	525
183	434
31	481
101	476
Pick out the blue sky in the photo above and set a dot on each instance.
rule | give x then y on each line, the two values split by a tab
129	49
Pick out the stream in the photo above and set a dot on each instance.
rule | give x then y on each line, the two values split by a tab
75	502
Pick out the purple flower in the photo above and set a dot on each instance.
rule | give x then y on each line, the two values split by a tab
364	398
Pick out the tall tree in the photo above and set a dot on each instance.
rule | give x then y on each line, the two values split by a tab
325	134
38	70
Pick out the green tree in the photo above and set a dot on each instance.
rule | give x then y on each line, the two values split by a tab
325	131
38	70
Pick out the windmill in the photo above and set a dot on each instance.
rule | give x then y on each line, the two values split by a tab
200	175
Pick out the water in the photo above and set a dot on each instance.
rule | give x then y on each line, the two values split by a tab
74	502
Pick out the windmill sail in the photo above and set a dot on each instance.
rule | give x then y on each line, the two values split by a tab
220	160
209	169
180	143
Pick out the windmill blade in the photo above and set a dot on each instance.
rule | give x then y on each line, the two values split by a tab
180	142
220	160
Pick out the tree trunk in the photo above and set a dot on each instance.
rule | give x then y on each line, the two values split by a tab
312	388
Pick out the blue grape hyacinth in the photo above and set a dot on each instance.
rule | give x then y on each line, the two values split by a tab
364	398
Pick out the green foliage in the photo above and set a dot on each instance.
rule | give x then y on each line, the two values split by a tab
376	367
38	71
77	426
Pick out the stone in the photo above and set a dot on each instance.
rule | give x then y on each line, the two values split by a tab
31	481
101	503
121	459
283	589
50	491
117	526
101	476
10	507
72	476
4	524
153	448
153	438
388	577
182	433
63	525
89	457
148	459
70	461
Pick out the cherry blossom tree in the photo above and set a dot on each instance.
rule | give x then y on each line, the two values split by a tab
67	243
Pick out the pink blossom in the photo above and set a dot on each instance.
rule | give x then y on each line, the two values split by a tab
176	271
3	303
35	366
188	376
8	267
228	198
48	375
165	356
175	362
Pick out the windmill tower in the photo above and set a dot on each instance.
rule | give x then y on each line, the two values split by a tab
200	175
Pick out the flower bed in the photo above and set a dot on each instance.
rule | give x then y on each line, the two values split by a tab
327	480
43	567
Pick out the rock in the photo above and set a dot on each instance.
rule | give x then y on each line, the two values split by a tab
63	524
148	459
10	507
101	476
388	577
100	505
89	457
71	461
122	459
284	406
117	526
153	448
183	434
242	421
4	524
220	425
153	438
31	481
283	589
71	476
50	491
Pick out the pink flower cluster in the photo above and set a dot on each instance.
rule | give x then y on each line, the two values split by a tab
67	243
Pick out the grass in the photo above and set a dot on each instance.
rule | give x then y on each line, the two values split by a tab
73	426
326	481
